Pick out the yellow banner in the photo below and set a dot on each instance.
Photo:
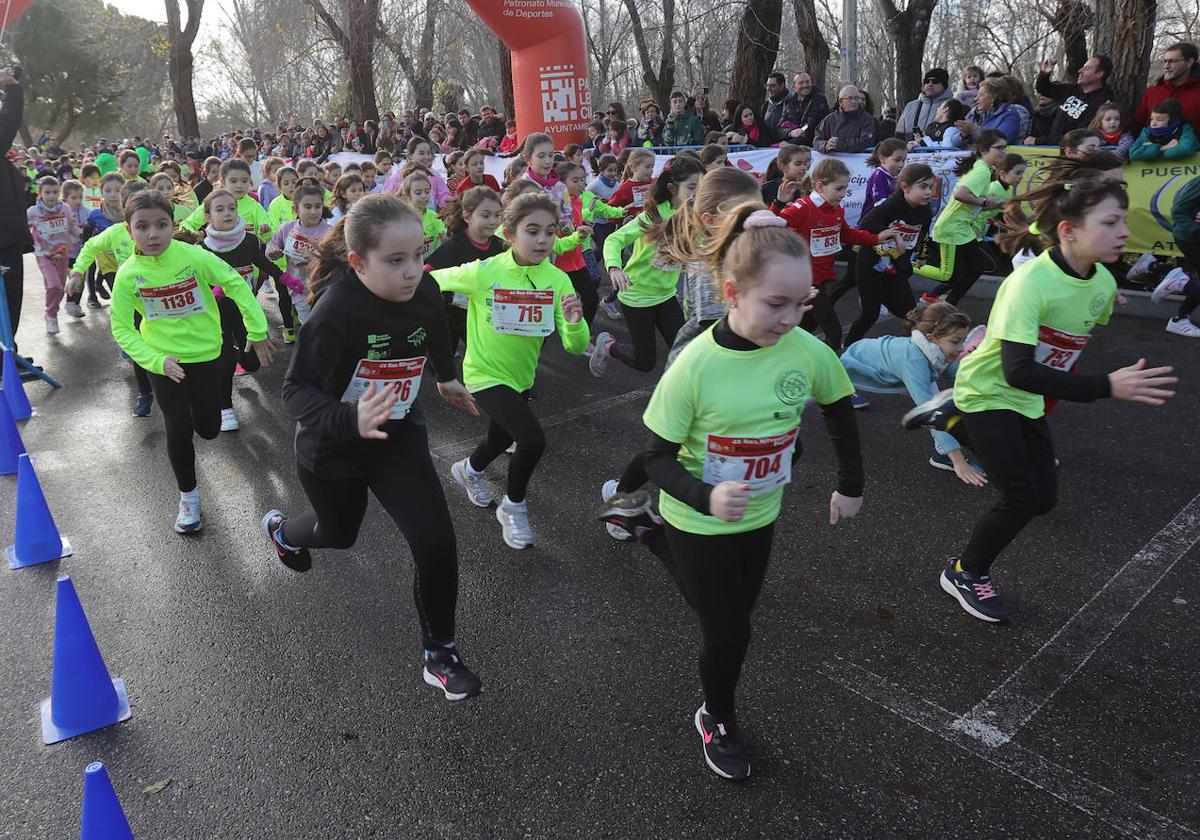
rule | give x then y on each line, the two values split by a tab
1152	186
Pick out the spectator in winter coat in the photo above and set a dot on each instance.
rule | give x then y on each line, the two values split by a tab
811	107
849	128
992	110
1180	81
683	127
1077	103
919	114
781	111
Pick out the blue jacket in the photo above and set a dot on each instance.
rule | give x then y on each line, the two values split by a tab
1006	119
892	364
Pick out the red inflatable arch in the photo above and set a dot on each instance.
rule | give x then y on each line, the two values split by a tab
549	63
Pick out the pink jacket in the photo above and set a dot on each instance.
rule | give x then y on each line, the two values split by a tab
55	229
441	192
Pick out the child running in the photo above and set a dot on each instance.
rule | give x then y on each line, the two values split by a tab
515	300
1039	325
723	424
169	284
791	164
473	165
346	191
352	386
297	241
471	222
887	160
957	231
55	229
415	192
646	284
569	248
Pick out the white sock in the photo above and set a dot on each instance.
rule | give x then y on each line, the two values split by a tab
470	469
192	495
510	503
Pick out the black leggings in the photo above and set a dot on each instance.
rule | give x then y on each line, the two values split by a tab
402	477
720	577
509	419
457	316
1018	455
823	316
1191	293
233	348
140	376
589	295
286	310
965	263
642	321
190	406
876	289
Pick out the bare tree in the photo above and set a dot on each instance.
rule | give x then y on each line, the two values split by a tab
1125	33
1071	19
417	62
816	48
909	30
181	64
660	81
506	80
757	48
357	42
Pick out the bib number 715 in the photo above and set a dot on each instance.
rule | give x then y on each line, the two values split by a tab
530	314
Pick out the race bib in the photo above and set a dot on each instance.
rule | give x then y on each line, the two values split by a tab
1058	350
460	300
908	235
299	248
639	196
174	300
247	273
52	225
825	241
523	311
762	462
404	374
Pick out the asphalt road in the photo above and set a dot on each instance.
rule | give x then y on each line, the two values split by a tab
290	706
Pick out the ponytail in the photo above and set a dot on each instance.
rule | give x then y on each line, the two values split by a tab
747	238
1055	202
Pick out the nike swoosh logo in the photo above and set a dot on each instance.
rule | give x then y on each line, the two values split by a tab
708	736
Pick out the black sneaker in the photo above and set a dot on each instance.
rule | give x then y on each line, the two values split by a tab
93	301
296	559
723	752
445	669
145	402
632	513
938	413
974	593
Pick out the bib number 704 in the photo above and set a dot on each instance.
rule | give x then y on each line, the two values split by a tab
760	468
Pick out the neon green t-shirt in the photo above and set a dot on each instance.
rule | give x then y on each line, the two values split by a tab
280	211
1041	305
502	358
112	246
734	411
173	293
957	223
252	213
652	281
435	231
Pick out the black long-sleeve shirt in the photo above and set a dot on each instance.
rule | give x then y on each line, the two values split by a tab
349	324
249	254
895	209
663	467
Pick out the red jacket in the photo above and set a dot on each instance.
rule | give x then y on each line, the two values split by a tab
824	228
466	184
631	195
1188	95
573	260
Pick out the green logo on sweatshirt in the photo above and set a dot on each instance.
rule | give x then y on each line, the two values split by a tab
417	337
379	346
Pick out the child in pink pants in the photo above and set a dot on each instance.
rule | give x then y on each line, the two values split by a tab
55	232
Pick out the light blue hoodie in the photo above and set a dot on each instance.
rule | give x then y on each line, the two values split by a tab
893	364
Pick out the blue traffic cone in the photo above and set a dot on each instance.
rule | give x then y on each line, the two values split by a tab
83	696
37	539
13	390
102	818
10	440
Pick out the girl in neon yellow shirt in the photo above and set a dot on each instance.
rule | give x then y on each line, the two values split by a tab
723	423
1041	321
514	301
416	191
646	285
179	340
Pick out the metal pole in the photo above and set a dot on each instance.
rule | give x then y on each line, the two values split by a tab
850	41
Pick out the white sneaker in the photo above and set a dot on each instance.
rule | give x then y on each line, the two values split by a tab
51	325
1184	327
1172	284
1144	263
229	421
73	309
188	520
512	449
601	356
476	486
607	490
514	519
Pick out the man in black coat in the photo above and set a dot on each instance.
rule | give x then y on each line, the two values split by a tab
1077	103
15	239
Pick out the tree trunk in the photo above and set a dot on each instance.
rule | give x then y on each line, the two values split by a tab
757	48
72	119
816	50
423	84
180	64
1071	20
357	42
506	81
660	82
1125	33
909	30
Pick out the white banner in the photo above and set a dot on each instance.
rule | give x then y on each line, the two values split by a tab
756	162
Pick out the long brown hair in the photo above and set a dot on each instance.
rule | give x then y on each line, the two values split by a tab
738	253
359	231
454	212
680	237
1055	202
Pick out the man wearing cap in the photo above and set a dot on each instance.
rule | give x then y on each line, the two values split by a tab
848	129
918	114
